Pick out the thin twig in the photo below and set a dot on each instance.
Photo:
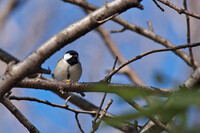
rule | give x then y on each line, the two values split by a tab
103	99
189	35
78	123
95	127
158	5
118	31
179	10
66	101
106	19
51	104
6	57
97	114
116	58
150	26
115	52
150	52
139	30
33	62
140	109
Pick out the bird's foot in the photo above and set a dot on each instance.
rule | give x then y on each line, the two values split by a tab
67	81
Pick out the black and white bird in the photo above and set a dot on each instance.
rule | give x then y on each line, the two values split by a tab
68	67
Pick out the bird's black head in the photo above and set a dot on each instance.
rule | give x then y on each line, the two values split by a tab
72	52
71	57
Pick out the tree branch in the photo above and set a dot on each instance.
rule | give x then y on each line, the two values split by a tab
150	52
147	33
115	52
11	60
192	81
96	125
188	35
51	104
152	118
78	123
33	62
158	6
22	119
92	87
88	108
7	58
179	10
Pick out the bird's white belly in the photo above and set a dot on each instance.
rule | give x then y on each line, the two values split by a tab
61	71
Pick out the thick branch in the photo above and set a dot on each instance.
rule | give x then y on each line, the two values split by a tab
92	87
8	58
147	33
33	62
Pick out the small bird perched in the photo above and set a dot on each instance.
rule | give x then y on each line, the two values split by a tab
68	67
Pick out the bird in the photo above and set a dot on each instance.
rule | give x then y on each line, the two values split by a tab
68	68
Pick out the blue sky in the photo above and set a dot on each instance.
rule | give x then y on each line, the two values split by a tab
34	22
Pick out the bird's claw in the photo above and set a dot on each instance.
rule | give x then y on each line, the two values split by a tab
68	80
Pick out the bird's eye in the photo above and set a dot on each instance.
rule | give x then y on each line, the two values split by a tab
75	55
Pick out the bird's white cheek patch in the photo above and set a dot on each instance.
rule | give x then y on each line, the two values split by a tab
67	56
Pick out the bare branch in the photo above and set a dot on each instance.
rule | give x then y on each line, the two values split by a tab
78	123
150	52
188	35
115	52
97	114
86	105
116	58
33	62
22	119
179	10
158	6
51	104
190	82
66	101
7	58
139	30
118	31
106	19
128	71
141	110
96	125
150	26
193	80
91	87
